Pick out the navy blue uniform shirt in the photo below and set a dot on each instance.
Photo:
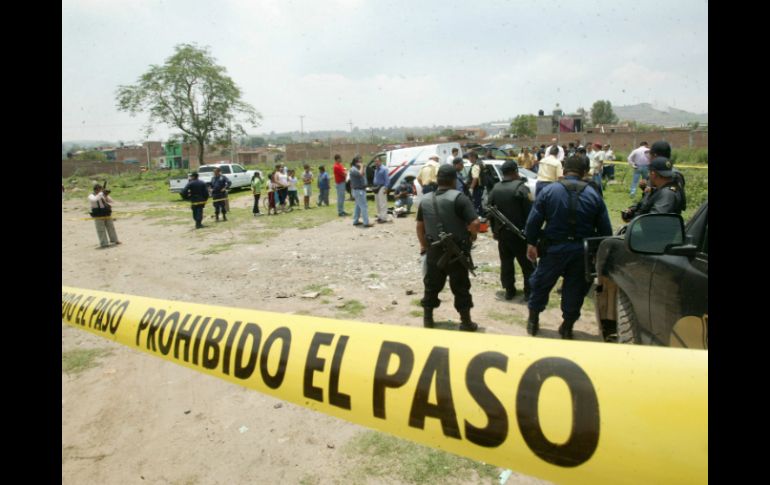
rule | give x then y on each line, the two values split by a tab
552	206
196	191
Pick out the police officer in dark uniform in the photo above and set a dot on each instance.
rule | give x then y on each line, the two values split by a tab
219	186
447	210
197	192
665	196
512	197
572	211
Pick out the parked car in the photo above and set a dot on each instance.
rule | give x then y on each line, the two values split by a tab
407	162
239	176
497	174
652	281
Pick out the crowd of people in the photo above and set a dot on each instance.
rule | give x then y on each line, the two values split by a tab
542	232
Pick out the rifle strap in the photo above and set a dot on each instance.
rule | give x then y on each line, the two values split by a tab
573	187
438	215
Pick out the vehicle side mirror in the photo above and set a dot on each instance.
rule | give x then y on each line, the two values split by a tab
655	233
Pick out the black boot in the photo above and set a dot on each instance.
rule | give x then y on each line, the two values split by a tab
224	217
510	293
427	317
565	329
533	322
527	292
465	321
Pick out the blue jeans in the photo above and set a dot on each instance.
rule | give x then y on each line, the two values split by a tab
598	180
407	201
643	171
361	208
340	198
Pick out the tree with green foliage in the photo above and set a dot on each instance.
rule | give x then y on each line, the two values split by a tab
524	126
91	155
192	93
602	114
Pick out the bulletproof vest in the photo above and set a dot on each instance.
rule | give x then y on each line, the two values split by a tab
450	221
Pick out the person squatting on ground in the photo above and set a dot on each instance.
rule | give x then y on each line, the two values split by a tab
101	211
197	193
404	195
380	188
340	175
572	211
219	186
323	186
447	212
256	189
358	187
511	197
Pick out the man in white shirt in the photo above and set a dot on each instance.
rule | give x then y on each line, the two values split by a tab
560	155
101	211
597	168
451	158
639	159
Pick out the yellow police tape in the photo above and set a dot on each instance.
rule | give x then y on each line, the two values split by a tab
676	165
577	412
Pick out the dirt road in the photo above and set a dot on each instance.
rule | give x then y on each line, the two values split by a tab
132	418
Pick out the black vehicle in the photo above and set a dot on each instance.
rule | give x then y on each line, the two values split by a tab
652	281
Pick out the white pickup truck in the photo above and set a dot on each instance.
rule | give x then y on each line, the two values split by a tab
239	176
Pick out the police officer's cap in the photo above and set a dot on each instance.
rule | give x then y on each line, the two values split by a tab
457	160
661	149
662	166
509	166
446	170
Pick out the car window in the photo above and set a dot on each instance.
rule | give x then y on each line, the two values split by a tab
238	169
206	169
225	169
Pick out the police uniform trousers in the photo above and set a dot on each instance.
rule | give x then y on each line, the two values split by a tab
568	264
220	206
435	279
511	247
197	210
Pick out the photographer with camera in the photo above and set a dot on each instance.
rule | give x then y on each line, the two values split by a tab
665	193
101	212
447	224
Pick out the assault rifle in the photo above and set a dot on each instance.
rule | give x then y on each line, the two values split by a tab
495	212
452	253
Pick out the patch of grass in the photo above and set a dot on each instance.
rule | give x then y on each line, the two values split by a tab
323	290
373	275
385	456
310	480
352	308
77	361
301	219
416	302
416	313
324	301
487	268
509	318
218	248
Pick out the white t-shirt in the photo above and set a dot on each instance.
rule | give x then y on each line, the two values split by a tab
560	156
292	184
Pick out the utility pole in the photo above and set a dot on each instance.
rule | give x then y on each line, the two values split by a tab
301	125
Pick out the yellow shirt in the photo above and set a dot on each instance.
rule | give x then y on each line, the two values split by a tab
550	169
475	171
526	161
428	173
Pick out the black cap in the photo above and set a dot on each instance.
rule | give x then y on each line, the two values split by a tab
509	166
457	160
661	149
662	166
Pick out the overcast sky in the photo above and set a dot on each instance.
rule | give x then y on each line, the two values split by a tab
389	63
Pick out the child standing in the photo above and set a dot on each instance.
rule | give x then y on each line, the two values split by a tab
256	189
323	186
307	181
293	199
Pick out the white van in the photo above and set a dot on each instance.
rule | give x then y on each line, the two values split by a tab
407	162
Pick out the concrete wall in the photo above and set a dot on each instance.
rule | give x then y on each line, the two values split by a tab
83	167
298	152
625	141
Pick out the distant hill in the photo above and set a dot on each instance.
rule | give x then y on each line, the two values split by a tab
667	117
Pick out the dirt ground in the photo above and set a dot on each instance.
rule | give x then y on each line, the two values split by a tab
132	418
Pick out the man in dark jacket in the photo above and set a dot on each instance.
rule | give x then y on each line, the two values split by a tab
197	192
572	211
219	186
511	197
